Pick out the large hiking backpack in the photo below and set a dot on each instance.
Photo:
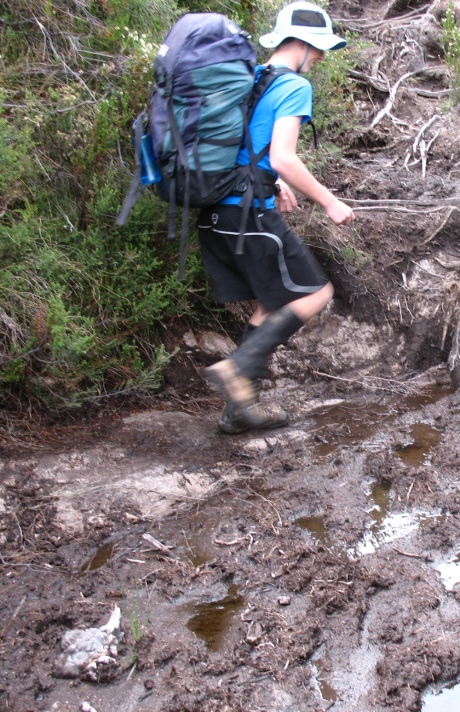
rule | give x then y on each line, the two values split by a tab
203	99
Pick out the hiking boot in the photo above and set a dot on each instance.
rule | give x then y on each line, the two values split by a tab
256	416
227	378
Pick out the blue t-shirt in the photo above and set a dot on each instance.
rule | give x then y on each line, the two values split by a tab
289	95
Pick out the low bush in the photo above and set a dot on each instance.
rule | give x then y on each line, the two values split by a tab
84	303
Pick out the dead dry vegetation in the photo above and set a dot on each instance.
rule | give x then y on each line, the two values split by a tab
294	572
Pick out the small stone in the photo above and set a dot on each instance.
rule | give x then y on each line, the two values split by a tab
86	707
254	635
284	600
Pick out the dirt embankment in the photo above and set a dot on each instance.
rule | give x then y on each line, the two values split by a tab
311	568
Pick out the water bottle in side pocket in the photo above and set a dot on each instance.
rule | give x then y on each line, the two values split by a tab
150	173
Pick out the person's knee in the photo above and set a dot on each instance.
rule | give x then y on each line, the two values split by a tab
328	291
324	295
312	304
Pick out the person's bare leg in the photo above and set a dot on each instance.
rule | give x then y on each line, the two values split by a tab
310	305
259	315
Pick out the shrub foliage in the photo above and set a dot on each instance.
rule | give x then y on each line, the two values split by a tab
83	303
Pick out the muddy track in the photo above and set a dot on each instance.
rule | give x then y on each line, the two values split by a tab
307	570
310	568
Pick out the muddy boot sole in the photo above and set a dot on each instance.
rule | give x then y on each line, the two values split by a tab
256	417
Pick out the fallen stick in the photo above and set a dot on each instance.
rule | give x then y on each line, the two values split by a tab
438	229
228	543
158	545
411	556
389	105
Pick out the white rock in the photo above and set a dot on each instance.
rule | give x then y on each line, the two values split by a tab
86	651
215	344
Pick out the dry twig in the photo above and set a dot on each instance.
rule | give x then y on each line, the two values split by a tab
158	545
389	105
59	58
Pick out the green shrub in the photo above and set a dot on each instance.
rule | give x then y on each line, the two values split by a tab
84	303
451	45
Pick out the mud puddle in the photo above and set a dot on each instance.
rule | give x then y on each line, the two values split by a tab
346	424
212	620
424	439
449	571
387	526
322	674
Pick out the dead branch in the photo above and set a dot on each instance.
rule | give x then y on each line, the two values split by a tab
438	230
409	491
376	64
373	81
429	94
403	387
158	545
448	265
402	210
221	542
421	146
400	201
424	128
427	271
455	349
381	83
280	521
411	556
59	58
414	14
389	105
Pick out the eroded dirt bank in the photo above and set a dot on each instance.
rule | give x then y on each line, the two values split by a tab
306	569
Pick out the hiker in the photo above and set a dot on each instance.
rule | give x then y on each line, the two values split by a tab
276	269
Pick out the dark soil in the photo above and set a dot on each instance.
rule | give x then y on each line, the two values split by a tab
304	568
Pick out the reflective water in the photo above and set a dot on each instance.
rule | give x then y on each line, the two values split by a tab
450	572
348	424
425	439
327	691
448	700
314	525
388	526
395	526
385	527
352	424
197	548
212	620
101	557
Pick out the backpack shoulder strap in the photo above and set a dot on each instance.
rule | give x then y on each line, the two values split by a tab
255	188
266	77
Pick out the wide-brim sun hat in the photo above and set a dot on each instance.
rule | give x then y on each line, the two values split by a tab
304	21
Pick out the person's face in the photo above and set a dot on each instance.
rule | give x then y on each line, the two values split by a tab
314	56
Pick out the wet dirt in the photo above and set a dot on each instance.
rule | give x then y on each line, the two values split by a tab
299	580
303	569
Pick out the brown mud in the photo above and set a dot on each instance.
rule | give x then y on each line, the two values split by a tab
303	569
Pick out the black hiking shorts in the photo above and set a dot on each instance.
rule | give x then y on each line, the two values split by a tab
276	267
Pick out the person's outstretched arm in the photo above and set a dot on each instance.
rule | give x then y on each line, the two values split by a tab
284	160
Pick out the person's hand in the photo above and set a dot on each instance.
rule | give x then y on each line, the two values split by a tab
285	200
339	213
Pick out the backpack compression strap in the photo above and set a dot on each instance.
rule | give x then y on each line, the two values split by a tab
179	144
136	188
